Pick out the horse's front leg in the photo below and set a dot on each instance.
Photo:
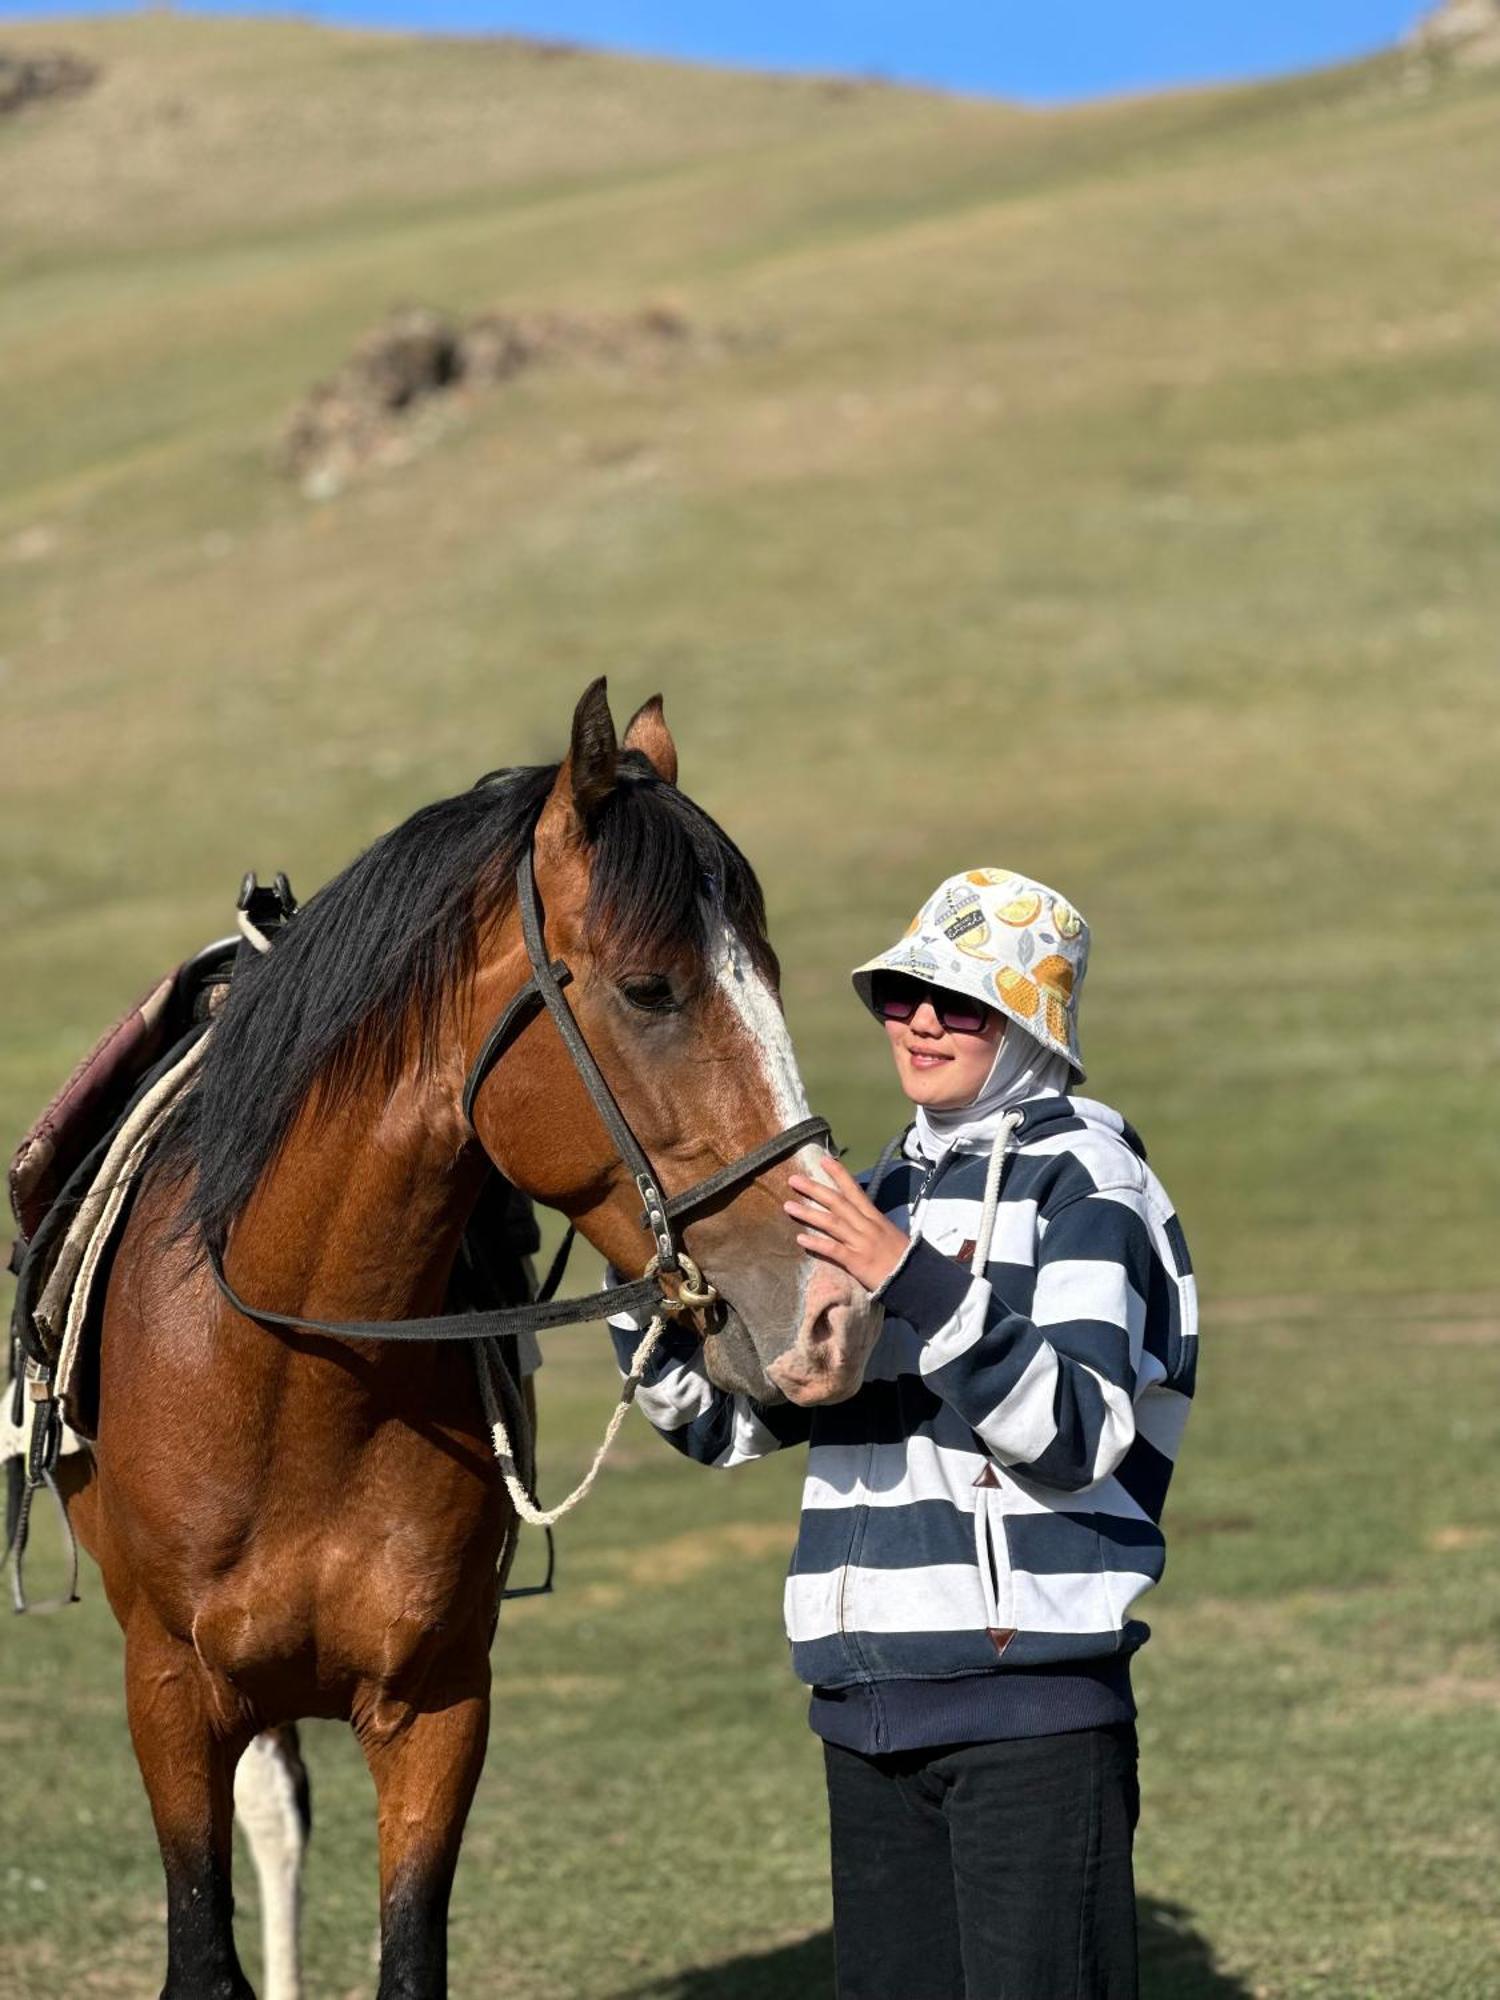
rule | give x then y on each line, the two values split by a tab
187	1750
425	1762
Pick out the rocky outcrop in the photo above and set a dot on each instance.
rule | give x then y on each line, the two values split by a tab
420	367
1460	31
27	79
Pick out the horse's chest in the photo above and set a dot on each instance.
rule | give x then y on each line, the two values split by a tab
368	1597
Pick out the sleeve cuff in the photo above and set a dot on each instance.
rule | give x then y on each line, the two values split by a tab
926	1289
891	1276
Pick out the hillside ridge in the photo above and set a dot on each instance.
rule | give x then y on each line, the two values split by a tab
1114	475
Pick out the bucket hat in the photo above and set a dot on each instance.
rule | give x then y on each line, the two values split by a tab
1001	938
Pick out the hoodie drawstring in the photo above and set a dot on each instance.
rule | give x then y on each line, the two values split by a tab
992	1180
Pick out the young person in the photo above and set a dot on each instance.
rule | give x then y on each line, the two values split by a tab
981	1518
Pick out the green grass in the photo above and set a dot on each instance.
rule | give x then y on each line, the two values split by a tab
1318	1716
1109	492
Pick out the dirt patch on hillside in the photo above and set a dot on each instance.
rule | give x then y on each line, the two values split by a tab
30	79
1466	32
409	377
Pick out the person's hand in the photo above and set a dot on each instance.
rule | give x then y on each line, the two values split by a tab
843	1226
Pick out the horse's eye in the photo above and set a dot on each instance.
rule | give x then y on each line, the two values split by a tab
651	994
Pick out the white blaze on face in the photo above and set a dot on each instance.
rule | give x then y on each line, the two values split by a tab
749	995
824	1345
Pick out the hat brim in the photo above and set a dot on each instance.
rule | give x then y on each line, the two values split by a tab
898	959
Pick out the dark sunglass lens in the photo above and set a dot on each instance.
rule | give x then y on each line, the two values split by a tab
965	1017
895	999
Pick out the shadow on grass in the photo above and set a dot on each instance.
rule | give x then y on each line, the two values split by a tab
1177	1963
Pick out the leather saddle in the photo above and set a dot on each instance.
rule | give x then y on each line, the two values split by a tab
55	1164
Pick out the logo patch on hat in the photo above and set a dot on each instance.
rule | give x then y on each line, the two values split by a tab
960	917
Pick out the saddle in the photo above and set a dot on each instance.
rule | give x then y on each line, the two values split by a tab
74	1174
72	1182
92	1103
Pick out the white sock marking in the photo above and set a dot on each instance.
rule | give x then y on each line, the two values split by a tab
265	1801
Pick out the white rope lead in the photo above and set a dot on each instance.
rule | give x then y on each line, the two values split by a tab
500	1439
693	1291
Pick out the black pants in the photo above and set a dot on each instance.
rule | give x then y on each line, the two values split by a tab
986	1871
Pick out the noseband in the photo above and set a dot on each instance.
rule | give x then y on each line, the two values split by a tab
659	1212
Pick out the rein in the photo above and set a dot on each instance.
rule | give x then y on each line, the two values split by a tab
645	1294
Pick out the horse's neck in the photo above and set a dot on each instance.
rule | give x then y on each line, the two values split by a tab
361	1215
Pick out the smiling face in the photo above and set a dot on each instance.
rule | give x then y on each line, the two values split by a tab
943	1068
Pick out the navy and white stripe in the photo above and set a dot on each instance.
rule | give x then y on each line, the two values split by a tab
993	1493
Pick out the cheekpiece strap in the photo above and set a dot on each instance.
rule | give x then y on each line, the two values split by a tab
527	1003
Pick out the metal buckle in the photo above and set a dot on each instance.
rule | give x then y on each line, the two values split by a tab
655	1220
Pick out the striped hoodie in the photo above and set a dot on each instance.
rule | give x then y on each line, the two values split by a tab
981	1519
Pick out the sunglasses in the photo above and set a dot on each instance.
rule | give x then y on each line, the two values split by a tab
896	997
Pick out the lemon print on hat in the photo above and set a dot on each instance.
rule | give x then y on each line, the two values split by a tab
1067	920
1054	975
1021	910
1017	991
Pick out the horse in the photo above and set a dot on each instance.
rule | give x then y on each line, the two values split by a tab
294	1522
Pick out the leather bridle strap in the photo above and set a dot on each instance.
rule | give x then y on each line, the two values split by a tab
544	988
545	978
527	1002
641	1295
703	1194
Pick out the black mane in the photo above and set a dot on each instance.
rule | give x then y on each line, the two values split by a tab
395	937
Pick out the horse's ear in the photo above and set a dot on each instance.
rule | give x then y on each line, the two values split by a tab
593	755
648	732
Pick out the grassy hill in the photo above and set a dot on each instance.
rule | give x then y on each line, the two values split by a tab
1109	492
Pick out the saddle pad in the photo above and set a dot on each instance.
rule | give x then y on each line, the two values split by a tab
68	1309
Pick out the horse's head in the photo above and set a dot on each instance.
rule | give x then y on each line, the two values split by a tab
660	920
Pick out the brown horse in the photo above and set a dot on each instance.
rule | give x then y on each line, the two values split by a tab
299	1524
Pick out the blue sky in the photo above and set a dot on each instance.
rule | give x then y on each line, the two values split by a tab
1043	50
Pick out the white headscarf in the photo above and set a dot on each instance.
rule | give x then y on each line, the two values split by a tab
1022	1068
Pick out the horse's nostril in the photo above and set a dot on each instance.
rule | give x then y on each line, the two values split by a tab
822	1329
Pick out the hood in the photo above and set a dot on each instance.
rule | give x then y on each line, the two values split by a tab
1042	1117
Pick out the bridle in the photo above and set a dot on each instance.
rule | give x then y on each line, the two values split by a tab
646	1294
